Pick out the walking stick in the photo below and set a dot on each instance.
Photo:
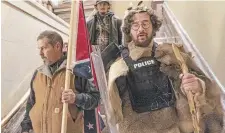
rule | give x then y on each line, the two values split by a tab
189	94
72	41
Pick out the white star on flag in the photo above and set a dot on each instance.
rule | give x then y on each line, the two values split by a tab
90	126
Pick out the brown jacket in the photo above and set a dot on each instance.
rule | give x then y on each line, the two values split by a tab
46	113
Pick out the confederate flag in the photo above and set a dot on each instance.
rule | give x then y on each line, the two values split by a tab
83	64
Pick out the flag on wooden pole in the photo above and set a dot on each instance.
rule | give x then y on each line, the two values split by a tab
83	65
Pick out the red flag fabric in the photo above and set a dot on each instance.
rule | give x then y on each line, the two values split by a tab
83	50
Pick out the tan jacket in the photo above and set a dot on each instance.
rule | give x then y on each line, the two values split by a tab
46	113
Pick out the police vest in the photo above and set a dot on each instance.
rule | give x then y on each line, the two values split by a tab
149	88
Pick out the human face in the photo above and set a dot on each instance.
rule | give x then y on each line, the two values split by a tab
141	29
102	8
49	53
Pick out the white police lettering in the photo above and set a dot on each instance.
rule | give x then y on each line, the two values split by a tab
144	63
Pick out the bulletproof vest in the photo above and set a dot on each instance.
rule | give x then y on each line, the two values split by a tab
149	88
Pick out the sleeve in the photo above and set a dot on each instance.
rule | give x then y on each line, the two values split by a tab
88	96
26	124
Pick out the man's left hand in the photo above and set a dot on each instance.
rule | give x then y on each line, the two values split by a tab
68	96
190	83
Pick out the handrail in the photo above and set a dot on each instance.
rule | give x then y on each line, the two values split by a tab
15	109
189	45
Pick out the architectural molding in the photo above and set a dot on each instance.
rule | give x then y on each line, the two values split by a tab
40	13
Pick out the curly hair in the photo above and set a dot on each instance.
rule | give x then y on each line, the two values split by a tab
127	22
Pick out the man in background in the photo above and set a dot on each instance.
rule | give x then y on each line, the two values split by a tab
104	31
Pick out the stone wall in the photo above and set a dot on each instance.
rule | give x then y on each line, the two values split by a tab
21	23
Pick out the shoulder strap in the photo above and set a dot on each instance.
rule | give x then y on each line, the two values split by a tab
126	57
119	23
92	26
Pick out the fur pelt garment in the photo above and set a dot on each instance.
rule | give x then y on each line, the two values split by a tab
167	120
127	120
209	106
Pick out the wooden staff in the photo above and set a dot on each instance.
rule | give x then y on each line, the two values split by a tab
72	42
189	94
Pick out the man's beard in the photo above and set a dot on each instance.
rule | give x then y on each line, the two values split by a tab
143	44
45	61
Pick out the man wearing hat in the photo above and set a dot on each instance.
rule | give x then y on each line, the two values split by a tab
104	31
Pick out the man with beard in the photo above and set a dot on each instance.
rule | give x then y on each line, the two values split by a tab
141	98
45	103
104	32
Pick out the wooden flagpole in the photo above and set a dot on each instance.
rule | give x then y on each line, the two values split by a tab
72	42
190	96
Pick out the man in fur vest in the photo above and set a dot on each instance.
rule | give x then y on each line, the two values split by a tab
142	98
45	103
